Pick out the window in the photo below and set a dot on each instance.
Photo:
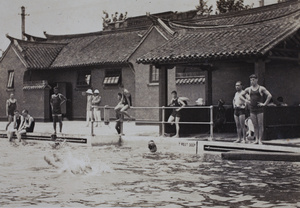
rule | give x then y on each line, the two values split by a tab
84	79
112	77
10	82
154	74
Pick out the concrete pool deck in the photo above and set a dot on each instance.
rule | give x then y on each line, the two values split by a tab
141	135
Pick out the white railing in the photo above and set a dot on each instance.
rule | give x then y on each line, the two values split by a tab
162	122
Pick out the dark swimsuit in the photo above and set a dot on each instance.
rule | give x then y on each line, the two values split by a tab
127	100
175	113
31	127
18	122
11	108
255	98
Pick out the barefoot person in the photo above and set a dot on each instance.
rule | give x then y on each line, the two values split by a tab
119	116
96	104
11	106
18	121
56	101
27	126
89	112
256	103
239	107
126	102
176	114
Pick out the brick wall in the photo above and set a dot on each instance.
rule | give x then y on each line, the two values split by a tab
11	62
225	76
283	79
146	94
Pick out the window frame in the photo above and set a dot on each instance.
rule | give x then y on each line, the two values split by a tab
79	83
10	80
112	77
153	71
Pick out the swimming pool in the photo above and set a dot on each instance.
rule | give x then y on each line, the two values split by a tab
128	176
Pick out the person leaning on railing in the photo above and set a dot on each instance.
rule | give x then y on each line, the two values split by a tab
176	114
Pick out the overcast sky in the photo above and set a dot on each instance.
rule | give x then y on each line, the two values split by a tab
79	16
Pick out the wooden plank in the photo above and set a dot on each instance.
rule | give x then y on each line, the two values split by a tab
263	156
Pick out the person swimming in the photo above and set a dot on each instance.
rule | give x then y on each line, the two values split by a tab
152	146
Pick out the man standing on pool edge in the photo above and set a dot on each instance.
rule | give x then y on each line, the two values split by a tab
176	114
56	101
256	103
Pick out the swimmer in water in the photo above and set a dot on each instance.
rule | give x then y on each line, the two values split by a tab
152	146
75	168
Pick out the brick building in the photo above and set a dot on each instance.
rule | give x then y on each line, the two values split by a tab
230	47
100	60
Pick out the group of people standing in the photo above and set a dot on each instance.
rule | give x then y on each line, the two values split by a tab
93	112
255	98
22	122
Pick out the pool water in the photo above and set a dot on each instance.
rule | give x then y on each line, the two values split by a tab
36	175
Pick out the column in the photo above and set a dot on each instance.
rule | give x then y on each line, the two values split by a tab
163	92
260	70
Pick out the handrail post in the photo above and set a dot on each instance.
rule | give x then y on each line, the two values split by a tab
163	120
211	122
121	123
92	122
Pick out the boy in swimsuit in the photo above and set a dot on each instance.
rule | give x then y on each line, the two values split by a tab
239	107
125	103
56	101
176	114
27	126
18	121
11	106
256	103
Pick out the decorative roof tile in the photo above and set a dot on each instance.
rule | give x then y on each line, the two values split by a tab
190	80
198	43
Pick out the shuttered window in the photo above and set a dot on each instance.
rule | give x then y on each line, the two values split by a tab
112	77
10	81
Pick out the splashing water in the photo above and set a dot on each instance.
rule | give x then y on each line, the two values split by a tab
77	166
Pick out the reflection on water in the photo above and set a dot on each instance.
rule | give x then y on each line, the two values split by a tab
111	176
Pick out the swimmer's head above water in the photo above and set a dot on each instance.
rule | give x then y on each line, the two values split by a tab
152	146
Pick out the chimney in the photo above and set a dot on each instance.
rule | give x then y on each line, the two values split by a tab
261	3
23	22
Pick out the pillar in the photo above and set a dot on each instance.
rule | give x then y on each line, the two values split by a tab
208	87
260	71
163	92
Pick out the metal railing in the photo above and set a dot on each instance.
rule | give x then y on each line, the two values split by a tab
162	122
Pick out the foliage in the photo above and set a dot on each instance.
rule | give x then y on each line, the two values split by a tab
203	9
225	6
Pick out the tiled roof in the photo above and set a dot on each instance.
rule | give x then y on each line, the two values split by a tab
249	16
114	47
111	48
196	43
37	54
36	85
190	80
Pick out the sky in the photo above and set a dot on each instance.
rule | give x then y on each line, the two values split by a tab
60	17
